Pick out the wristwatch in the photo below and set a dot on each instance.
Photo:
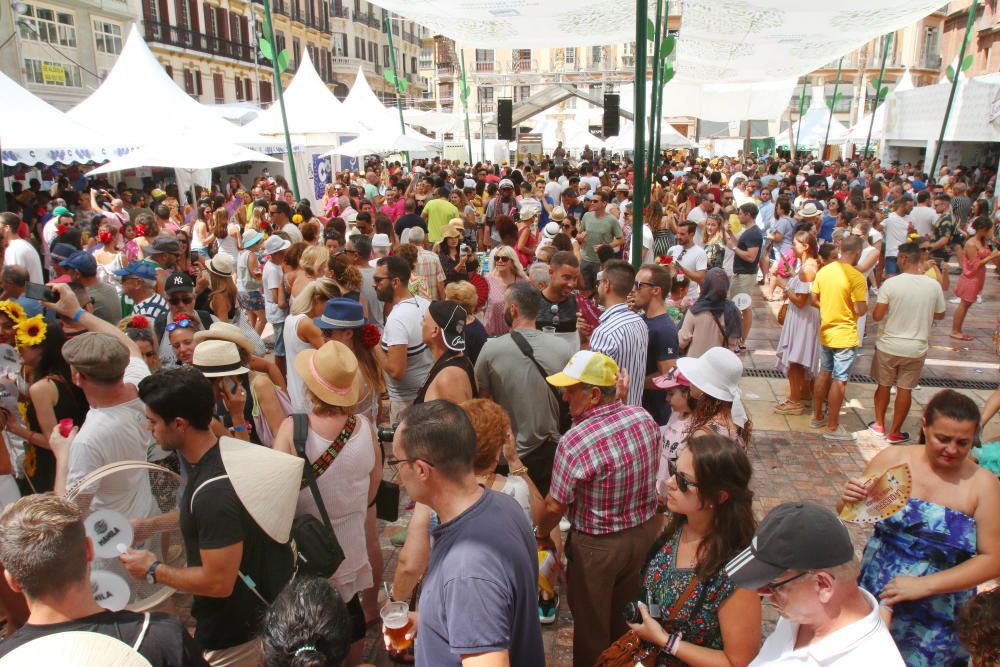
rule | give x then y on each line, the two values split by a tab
151	572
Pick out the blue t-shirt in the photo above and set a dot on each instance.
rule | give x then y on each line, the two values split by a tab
752	237
827	227
786	226
663	346
480	591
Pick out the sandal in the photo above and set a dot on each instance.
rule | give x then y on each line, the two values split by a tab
789	408
961	336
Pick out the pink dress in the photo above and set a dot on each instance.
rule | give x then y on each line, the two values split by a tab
493	312
973	277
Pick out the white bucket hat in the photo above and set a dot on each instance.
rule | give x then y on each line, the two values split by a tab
717	372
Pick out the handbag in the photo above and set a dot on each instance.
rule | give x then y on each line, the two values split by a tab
387	501
564	419
317	550
782	312
629	651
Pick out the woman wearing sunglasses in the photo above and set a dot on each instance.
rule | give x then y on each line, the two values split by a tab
506	271
180	333
691	610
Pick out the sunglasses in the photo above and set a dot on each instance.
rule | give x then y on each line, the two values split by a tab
183	324
502	258
683	483
176	301
925	249
638	285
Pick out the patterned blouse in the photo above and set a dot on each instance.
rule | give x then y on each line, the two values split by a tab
664	582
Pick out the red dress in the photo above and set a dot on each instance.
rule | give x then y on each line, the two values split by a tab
973	277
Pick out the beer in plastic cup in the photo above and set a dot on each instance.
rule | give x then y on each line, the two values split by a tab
396	620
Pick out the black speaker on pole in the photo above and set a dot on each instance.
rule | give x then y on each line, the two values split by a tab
611	118
505	120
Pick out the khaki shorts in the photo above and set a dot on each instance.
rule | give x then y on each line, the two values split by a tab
742	283
250	654
889	370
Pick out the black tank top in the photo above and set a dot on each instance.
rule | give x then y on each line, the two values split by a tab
456	359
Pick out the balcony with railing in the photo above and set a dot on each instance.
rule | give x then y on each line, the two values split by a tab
340	12
524	65
486	66
164	33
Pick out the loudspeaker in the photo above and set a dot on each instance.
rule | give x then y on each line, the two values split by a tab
611	118
505	121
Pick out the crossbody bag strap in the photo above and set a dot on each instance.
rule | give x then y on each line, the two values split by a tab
300	431
525	347
678	604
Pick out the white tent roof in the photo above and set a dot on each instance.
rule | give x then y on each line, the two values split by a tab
669	138
315	115
814	124
362	103
33	131
859	132
382	143
139	102
199	155
437	121
913	117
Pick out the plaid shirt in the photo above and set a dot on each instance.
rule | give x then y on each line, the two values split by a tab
605	469
429	268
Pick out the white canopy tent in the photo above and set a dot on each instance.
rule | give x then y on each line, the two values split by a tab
858	133
382	143
33	131
203	155
813	125
573	134
439	122
669	138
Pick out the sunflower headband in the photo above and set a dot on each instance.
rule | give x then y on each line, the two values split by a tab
13	310
31	332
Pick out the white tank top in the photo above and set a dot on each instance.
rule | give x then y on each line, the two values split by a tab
229	246
296	387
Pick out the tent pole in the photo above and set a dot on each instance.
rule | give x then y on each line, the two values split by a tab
954	87
465	106
802	107
657	38
829	121
878	89
661	85
396	85
639	121
268	27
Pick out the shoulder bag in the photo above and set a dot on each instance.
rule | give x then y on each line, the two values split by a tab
564	418
317	551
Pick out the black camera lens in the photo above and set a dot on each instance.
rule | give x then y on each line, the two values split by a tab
631	612
385	433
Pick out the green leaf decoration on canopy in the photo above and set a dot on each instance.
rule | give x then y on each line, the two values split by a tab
283	61
950	73
967	63
265	49
668	46
882	93
650	30
389	75
668	73
403	85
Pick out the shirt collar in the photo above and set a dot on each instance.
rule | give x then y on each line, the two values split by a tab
614	310
847	638
599	411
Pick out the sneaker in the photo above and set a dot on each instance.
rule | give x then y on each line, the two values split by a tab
547	609
880	432
817	423
954	299
399	539
840	434
564	524
898	438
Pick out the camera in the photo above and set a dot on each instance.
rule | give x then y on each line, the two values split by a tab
385	433
464	249
633	615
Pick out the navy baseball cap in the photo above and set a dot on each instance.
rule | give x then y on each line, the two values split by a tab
82	261
61	251
142	270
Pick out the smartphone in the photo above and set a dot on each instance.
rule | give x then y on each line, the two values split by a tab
194	256
40	292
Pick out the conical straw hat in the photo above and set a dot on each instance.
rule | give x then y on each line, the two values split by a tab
266	481
75	649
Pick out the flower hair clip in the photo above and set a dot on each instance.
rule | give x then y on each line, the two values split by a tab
370	335
138	322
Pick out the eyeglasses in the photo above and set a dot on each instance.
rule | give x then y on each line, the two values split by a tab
183	324
502	258
178	300
683	483
397	462
638	285
773	588
378	279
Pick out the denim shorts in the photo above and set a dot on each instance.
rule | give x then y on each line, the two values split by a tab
837	360
279	339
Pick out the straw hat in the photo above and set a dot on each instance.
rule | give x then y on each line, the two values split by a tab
810	211
449	232
75	649
218	358
222	265
557	214
717	372
267	483
225	331
331	373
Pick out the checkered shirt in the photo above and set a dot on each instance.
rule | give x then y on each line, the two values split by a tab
429	268
605	469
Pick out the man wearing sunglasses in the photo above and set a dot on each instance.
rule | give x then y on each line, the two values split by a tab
179	289
802	561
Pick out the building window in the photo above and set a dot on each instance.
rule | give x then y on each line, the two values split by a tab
385	54
239	88
596	54
52	74
265	92
339	44
248	89
428	91
484	60
108	37
426	57
296	53
447	96
373	52
413	64
218	85
569	56
485	99
521	93
48	25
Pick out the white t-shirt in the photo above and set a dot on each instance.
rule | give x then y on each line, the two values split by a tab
697	215
294	235
692	259
24	254
592	181
895	229
110	435
553	191
404	326
271	278
865	642
913	300
923	219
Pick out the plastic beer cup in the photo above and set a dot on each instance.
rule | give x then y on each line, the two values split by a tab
396	619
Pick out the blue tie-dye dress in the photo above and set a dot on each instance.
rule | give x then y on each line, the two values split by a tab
920	539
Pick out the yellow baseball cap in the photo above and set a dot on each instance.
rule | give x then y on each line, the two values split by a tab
589	367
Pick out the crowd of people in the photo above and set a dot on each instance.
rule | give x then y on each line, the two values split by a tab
565	416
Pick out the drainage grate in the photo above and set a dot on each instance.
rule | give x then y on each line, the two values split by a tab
941	383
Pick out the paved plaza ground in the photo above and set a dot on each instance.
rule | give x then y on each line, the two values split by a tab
792	461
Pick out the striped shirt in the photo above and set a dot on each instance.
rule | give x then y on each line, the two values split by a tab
605	469
152	307
404	326
624	336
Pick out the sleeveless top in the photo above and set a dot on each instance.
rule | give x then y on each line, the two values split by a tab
40	463
293	345
344	488
244	281
228	245
448	360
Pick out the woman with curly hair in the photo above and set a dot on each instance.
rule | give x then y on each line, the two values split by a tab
978	626
342	271
308	625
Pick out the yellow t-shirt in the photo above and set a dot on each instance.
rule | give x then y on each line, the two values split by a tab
439	212
839	287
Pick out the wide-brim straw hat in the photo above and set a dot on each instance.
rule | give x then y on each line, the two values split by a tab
225	331
222	265
331	373
218	358
75	649
266	481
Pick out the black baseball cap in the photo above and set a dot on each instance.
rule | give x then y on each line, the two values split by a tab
450	317
179	281
794	536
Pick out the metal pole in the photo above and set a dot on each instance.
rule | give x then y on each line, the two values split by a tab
878	89
659	94
465	106
395	85
829	121
802	106
654	92
954	87
639	186
281	99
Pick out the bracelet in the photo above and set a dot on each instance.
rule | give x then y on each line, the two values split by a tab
523	470
673	643
79	314
242	427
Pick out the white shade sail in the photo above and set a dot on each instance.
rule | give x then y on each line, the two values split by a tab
625	141
182	154
32	131
381	143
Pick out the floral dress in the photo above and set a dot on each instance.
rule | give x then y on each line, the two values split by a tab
918	540
698	619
